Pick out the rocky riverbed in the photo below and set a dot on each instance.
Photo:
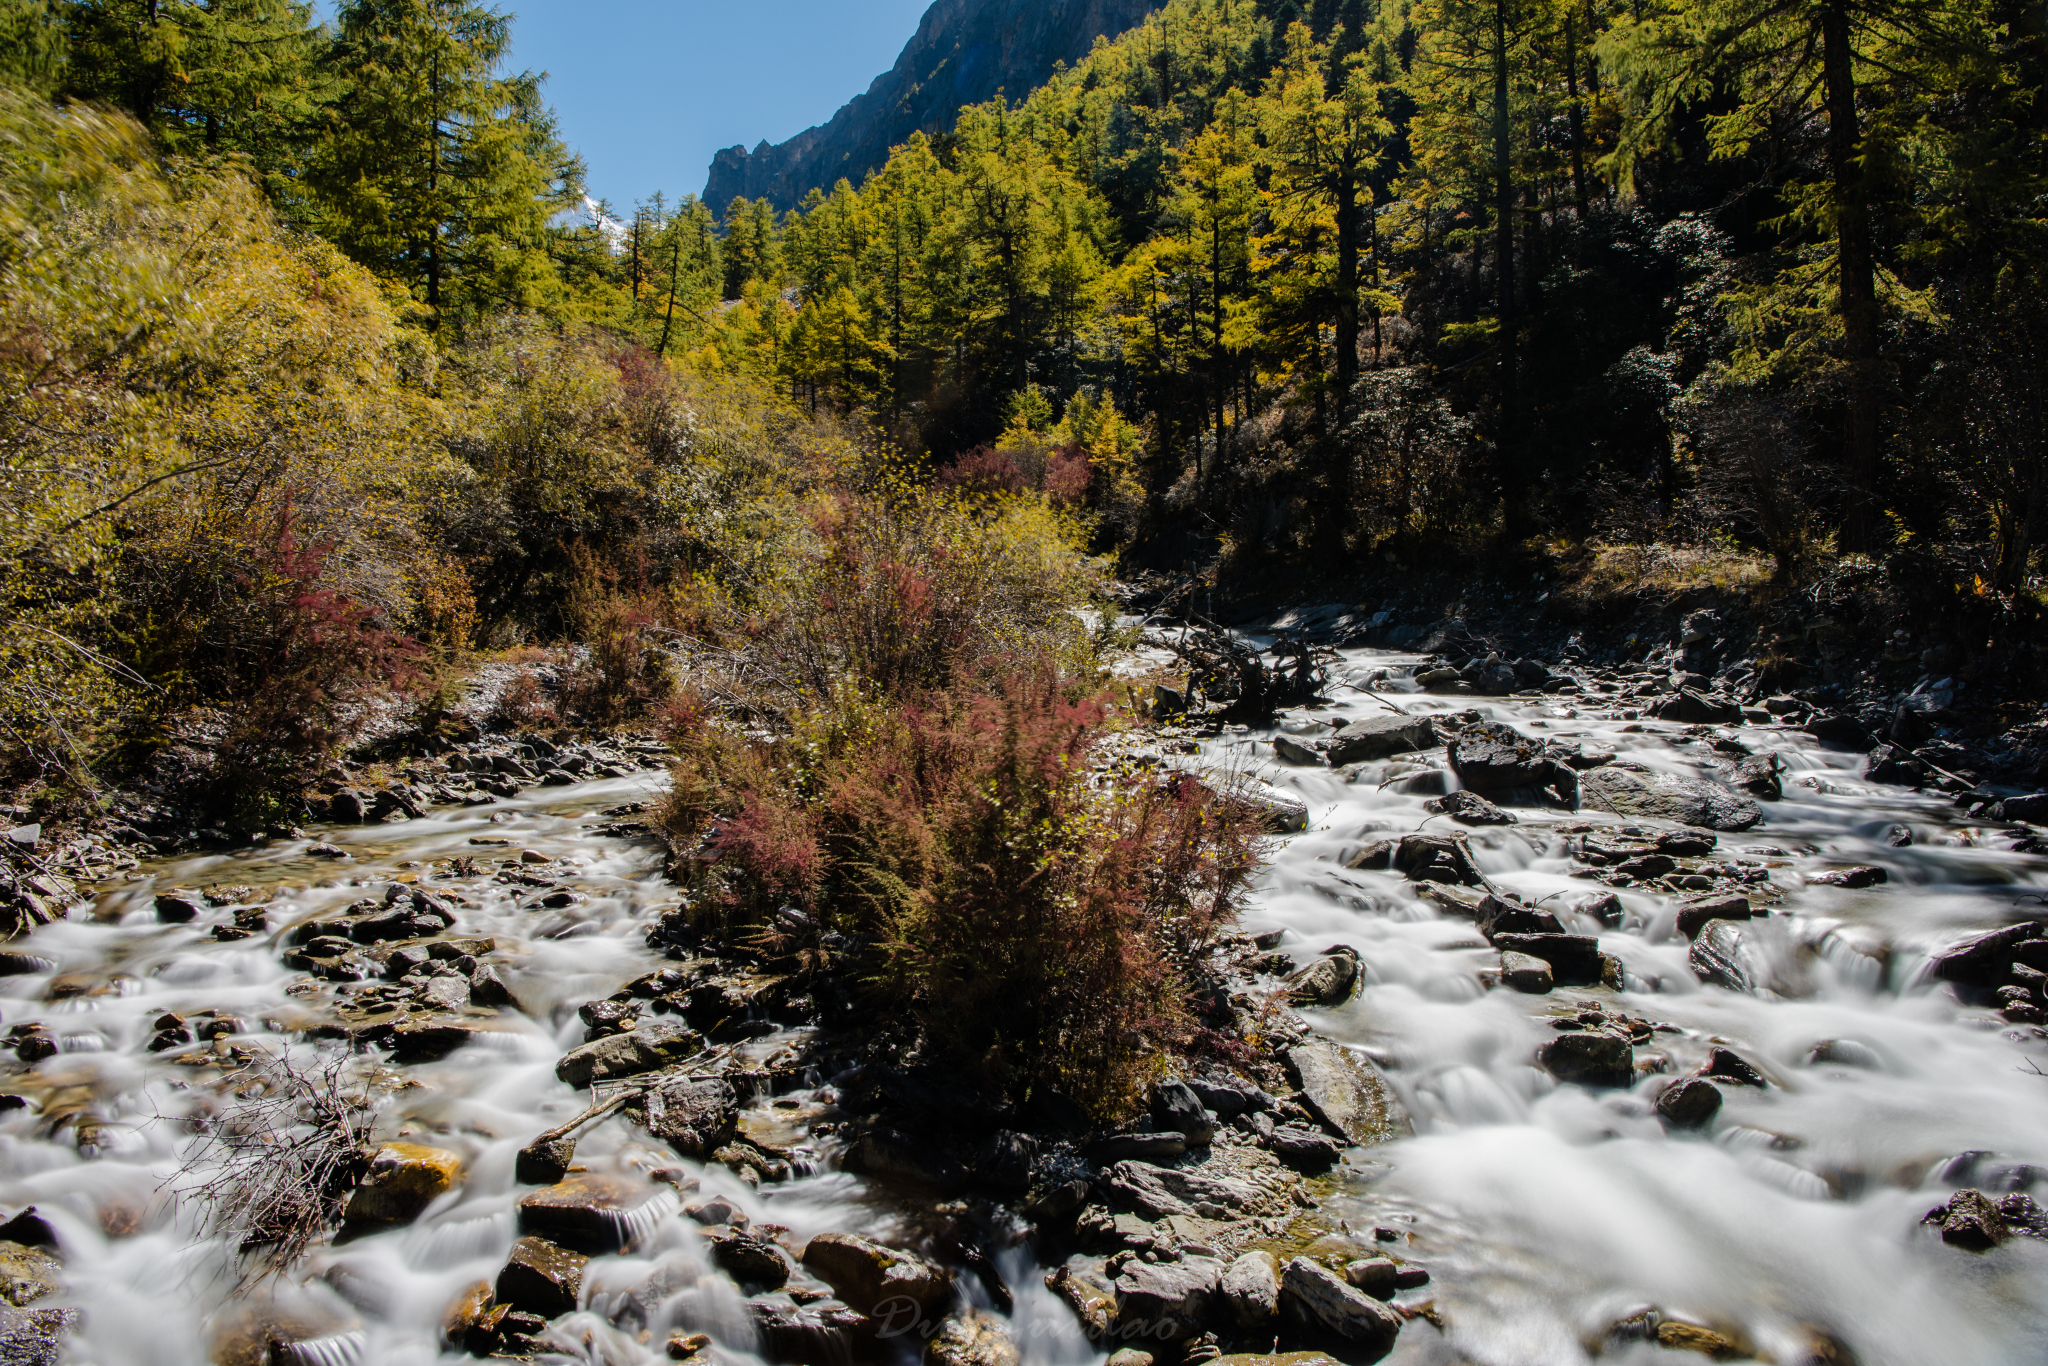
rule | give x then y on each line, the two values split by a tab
1582	1012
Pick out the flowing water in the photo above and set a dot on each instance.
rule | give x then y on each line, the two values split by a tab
1543	1212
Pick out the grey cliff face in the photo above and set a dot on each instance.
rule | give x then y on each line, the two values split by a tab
964	52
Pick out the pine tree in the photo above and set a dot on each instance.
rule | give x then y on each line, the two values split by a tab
436	170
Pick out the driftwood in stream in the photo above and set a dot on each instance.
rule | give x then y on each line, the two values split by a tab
1228	671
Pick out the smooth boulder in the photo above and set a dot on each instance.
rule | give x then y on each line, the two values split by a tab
1643	795
1376	737
1345	1092
1318	1304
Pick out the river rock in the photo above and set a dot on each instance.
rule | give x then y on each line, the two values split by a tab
1694	709
178	908
1723	955
1492	756
1984	959
865	1274
1280	813
656	1043
1176	1106
1628	790
403	1179
1694	914
541	1278
750	1259
1142	1147
595	1213
1277	1359
1376	737
1250	1287
893	1155
1524	973
1590	1057
1005	1161
1376	1276
1845	1053
1166	1302
1344	1091
696	1115
1498	915
2032	809
1574	958
1302	1148
802	1334
1330	980
1317	1303
1724	1064
1759	776
1853	878
1289	751
1129	1356
1092	1299
972	1339
1162	1192
28	1274
1689	1103
1969	1221
1469	808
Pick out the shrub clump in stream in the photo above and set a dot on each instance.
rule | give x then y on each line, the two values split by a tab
921	768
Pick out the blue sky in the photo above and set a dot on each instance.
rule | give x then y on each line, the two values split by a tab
647	90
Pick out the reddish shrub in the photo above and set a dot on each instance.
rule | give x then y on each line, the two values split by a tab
1067	475
983	470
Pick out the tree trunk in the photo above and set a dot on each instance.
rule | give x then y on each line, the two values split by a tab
1578	117
1347	286
1504	247
1857	280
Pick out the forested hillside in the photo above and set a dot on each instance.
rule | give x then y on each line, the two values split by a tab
307	343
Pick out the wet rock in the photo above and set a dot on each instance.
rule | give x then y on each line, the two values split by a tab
1302	1148
688	1346
177	908
1163	1192
28	1274
1524	973
1675	1336
1469	808
1175	1106
1727	1065
544	1161
696	1116
1690	1103
1317	1303
1497	915
1294	752
1376	1276
1590	1057
1438	858
263	1329
1166	1302
423	1039
1639	793
1693	709
1377	737
1226	1095
488	988
1721	954
656	1043
799	1335
1969	1221
1092	1299
715	1211
972	1339
1280	813
2032	809
895	1156
1344	1091
463	1321
1250	1287
1328	981
1277	1359
1983	959
1694	914
751	1259
595	1213
1849	877
1493	757
1574	958
403	1179
1759	776
1130	1356
864	1273
541	1278
1893	765
1845	1053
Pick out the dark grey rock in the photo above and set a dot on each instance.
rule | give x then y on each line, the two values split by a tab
1982	959
1316	1303
1498	915
696	1115
1469	808
1167	1302
1492	756
1376	737
1345	1091
1642	794
1330	980
1175	1106
1722	954
1689	1103
1590	1057
1574	958
896	1156
2032	809
1527	974
656	1043
1694	914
